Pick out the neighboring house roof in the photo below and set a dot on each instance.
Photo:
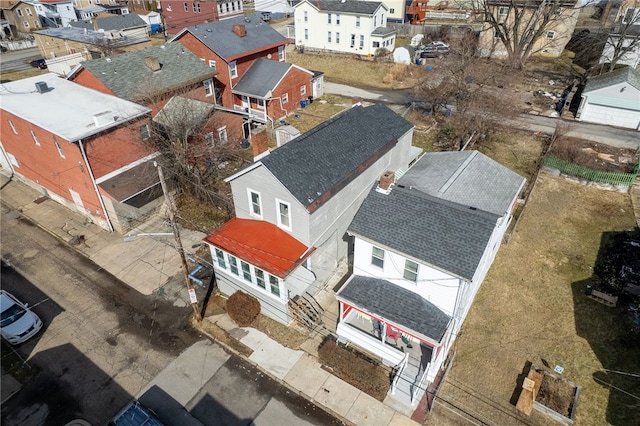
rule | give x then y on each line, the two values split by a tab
448	236
67	109
465	177
94	8
125	183
383	31
112	23
263	76
180	110
529	3
319	163
128	76
9	4
396	305
262	244
355	7
90	37
623	75
219	37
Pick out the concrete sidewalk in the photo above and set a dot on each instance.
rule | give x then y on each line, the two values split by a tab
149	263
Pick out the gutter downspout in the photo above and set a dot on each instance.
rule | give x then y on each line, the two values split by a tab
95	186
13	172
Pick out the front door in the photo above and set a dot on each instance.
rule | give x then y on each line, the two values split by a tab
245	103
77	200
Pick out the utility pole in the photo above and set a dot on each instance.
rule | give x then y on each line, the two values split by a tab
176	235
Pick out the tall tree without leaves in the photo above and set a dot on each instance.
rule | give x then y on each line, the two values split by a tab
623	40
525	27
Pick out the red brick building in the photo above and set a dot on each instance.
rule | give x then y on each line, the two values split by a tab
81	148
180	14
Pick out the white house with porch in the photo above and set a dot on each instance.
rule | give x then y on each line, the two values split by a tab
423	244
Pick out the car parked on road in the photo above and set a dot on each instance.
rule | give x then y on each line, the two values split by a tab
434	49
39	63
17	322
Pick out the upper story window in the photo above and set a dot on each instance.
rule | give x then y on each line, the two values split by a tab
361	41
337	19
145	133
222	135
551	35
631	16
169	8
503	11
375	21
306	34
209	139
353	40
260	278
26	24
284	214
357	21
303	91
196	7
410	270
212	64
246	271
233	264
220	257
377	257
285	98
29	11
13	128
233	69
392	11
306	16
274	284
260	103
35	138
58	147
208	87
328	18
329	37
255	203
337	38
281	53
186	6
19	12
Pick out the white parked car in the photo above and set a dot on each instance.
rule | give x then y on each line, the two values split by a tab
17	322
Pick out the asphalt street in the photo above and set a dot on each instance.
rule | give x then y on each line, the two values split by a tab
18	59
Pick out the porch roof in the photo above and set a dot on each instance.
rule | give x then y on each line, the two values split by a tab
398	305
261	244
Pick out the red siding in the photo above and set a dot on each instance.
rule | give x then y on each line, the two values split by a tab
177	18
86	79
291	85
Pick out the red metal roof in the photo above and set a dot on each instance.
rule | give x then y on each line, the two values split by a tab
261	244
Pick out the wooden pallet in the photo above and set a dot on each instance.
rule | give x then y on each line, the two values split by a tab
605	298
530	389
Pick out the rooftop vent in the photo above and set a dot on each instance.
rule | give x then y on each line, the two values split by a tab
152	63
41	87
103	118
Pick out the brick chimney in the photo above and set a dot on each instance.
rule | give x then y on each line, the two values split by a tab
259	144
240	30
386	180
356	102
152	63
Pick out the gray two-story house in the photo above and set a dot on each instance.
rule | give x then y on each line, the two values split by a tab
294	205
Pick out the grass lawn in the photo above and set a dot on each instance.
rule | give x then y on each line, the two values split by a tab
532	307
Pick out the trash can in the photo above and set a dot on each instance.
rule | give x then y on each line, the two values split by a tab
303	103
310	99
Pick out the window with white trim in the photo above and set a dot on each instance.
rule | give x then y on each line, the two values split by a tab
222	135
284	214
186	7
306	16
145	133
328	18
255	203
377	257
306	34
196	7
631	16
303	91
392	11
220	257
246	271
59	148
169	8
35	138
281	53
233	69
337	38
19	13
353	40
212	64
208	87
551	35
338	19
328	36
361	41
13	128
260	103
357	21
233	264
410	270
29	11
285	98
26	24
260	279
503	11
274	285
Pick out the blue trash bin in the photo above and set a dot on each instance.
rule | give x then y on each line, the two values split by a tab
303	103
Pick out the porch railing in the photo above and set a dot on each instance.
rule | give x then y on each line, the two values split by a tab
423	379
399	369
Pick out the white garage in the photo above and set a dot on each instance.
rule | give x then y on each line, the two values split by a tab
612	99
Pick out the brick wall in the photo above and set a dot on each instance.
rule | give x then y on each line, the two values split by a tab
291	85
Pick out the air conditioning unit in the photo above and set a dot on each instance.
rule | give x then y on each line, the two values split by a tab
41	87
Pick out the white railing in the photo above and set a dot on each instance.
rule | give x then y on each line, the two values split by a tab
418	388
448	16
399	369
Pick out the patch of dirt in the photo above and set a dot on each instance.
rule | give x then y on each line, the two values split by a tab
556	393
594	155
355	368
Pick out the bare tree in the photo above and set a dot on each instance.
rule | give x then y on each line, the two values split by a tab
525	27
623	40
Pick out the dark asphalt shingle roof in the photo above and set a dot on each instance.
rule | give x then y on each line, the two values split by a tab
317	164
465	177
219	37
262	77
128	77
622	75
396	304
383	31
349	6
89	37
449	236
112	23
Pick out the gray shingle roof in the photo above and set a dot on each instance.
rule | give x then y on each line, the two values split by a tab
127	76
349	6
89	37
112	23
467	177
446	235
622	75
396	304
262	77
383	31
317	164
183	110
219	37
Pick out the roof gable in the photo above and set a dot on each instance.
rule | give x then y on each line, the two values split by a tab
397	305
354	7
319	163
128	76
448	236
623	75
262	244
220	38
263	76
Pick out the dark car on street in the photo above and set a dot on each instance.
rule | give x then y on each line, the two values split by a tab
39	63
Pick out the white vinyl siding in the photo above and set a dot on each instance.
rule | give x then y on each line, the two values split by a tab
377	257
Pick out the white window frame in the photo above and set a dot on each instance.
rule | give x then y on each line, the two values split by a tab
306	34
635	11
186	6
337	38
222	263
551	35
303	90
26	24
361	41
28	9
305	17
233	69
20	14
329	18
357	22
246	272
222	135
35	138
353	40
260	278
409	273
279	216
169	8
392	11
377	257
196	7
146	133
337	19
503	11
260	103
285	98
212	64
281	53
208	87
233	264
13	127
252	205
59	148
328	36
273	285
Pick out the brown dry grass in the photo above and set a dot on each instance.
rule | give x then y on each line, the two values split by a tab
532	306
19	75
